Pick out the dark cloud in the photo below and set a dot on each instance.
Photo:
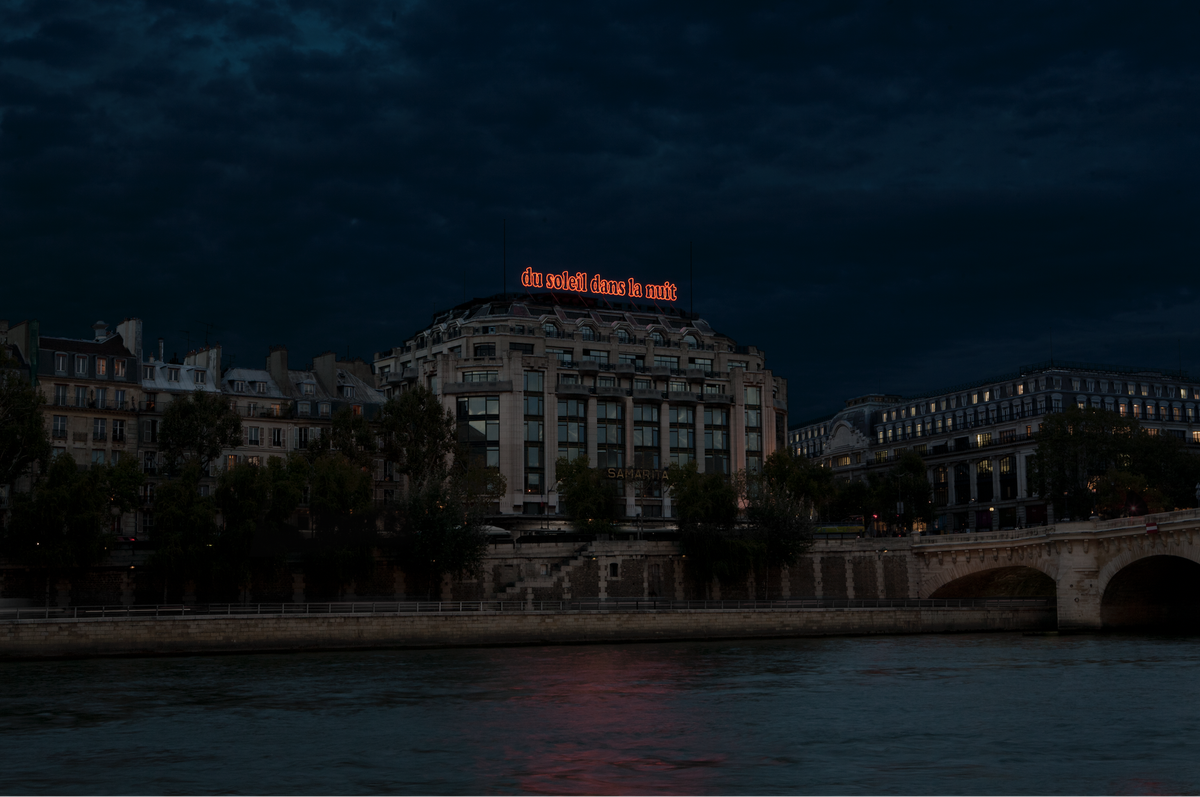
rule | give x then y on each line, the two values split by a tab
882	198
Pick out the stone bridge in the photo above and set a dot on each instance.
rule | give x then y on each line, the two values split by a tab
1142	571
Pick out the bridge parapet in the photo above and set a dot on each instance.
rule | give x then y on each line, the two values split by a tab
1182	520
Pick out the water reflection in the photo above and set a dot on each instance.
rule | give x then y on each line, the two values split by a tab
939	714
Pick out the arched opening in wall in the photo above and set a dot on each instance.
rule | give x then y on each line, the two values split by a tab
1000	582
1158	592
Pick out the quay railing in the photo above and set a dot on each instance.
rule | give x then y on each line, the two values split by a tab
362	608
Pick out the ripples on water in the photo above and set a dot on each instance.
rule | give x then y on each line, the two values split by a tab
994	714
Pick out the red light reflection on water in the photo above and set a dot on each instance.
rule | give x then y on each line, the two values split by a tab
600	721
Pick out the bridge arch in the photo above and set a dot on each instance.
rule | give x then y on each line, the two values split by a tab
995	579
1151	587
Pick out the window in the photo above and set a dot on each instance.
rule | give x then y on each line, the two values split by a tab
587	333
60	395
568	379
737	364
324	409
646	436
277	437
172	374
677	386
101	398
60	427
682	434
703	363
254	460
717	388
81	368
119	368
523	348
356	409
308	389
622	336
690	342
201	377
101	366
550	330
664	361
304	408
148	372
254	435
657	338
251	409
239	386
716	440
118	431
60	363
562	355
485	349
80	396
636	360
610	434
277	410
642	384
572	428
595	356
479	429
347	391
231	461
480	376
535	452
606	381
259	387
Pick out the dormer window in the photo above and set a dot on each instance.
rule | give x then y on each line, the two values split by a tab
587	333
347	391
60	363
622	336
690	341
101	366
172	374
550	330
657	338
119	369
309	389
239	386
304	408
260	387
201	377
148	372
324	409
81	365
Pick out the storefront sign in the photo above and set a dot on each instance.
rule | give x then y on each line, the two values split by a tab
579	282
637	474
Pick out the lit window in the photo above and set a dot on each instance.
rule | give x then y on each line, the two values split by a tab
357	408
119	369
101	366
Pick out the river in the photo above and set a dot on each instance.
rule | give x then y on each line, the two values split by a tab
976	714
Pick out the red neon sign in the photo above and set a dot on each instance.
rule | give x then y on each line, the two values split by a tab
579	283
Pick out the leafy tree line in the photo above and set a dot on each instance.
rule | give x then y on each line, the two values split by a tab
243	528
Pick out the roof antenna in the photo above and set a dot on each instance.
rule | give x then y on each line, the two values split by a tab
691	281
504	255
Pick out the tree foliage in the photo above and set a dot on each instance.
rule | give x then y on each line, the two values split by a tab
23	438
185	527
350	436
419	436
1089	459
779	507
67	521
588	499
197	427
255	503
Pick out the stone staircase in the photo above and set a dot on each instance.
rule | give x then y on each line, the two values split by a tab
524	589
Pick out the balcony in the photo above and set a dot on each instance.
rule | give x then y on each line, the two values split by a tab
59	434
99	438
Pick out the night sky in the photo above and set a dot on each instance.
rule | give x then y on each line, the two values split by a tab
881	200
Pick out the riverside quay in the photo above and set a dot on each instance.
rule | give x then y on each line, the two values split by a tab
977	438
628	384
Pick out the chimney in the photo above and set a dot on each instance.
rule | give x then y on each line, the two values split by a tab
160	349
100	330
277	367
325	366
130	331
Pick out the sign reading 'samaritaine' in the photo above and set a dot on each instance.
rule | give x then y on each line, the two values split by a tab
637	474
580	283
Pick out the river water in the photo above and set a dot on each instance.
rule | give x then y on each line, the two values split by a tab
975	714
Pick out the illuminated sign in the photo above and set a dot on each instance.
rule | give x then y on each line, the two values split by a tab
580	283
637	474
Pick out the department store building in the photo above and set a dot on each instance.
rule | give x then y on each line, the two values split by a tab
977	438
633	385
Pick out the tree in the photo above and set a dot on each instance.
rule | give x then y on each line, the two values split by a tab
441	535
909	483
589	499
255	504
185	528
349	436
1086	457
197	427
779	508
419	436
706	505
67	521
23	438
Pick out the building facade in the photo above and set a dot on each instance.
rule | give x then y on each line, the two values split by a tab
632	387
977	438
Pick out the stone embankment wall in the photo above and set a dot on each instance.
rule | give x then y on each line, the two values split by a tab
539	570
54	638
